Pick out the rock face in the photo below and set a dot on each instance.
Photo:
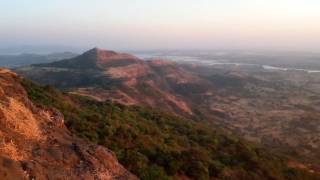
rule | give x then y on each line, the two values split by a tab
35	144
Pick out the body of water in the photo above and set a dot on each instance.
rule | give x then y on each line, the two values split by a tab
213	62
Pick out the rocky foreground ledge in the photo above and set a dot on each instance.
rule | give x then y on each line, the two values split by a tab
35	144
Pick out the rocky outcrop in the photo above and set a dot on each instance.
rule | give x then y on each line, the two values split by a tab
35	144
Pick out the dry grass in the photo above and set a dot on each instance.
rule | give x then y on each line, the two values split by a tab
11	150
130	71
20	119
105	175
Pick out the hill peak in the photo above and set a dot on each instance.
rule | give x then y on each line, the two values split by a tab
102	57
96	58
100	53
100	50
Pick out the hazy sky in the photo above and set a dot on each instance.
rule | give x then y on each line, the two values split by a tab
164	24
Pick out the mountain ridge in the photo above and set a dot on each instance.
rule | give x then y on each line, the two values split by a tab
134	80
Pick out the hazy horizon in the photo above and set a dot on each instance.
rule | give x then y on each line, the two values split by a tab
148	25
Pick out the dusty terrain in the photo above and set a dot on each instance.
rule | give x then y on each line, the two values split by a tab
278	109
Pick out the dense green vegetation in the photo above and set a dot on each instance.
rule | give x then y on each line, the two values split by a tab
158	145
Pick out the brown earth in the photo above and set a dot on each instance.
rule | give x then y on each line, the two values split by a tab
35	144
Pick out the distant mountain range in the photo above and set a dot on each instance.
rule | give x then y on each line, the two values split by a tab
36	49
14	61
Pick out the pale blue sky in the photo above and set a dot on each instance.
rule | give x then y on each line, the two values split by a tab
165	24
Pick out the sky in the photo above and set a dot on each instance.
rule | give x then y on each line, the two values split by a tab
162	24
